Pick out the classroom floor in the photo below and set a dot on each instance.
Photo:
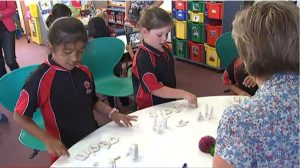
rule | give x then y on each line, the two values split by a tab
194	78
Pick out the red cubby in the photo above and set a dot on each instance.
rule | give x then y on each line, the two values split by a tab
214	10
196	51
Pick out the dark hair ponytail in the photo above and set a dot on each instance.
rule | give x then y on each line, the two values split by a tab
97	28
59	10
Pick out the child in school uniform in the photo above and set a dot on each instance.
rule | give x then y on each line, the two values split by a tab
239	81
104	16
64	90
153	76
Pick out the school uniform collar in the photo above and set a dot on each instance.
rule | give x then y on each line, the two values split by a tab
55	65
154	50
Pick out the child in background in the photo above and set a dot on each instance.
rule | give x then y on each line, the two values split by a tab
238	80
59	10
104	16
64	90
97	28
153	76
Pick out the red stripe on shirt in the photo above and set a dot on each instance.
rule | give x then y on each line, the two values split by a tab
44	102
151	82
22	103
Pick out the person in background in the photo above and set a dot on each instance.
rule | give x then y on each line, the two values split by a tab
154	80
263	131
133	10
64	90
97	28
7	36
104	16
59	10
7	41
239	81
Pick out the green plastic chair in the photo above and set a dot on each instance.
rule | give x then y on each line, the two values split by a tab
226	49
10	89
101	55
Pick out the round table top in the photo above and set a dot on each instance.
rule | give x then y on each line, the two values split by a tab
171	142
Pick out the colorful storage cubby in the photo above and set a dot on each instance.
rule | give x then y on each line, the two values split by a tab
196	51
119	17
181	5
196	17
196	32
181	29
214	10
181	15
212	33
111	16
212	58
196	6
181	48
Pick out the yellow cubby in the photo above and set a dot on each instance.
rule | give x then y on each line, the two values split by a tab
212	58
196	17
181	29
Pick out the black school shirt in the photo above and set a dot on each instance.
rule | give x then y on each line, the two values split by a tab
152	69
66	99
235	73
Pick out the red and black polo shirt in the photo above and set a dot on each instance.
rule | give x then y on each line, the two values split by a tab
235	74
66	99
152	69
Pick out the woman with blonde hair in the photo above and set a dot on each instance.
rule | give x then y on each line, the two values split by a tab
263	131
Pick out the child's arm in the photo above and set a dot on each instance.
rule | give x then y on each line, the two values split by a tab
54	146
129	49
127	8
237	91
114	114
168	92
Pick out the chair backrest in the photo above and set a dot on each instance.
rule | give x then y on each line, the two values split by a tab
226	49
10	89
11	85
101	55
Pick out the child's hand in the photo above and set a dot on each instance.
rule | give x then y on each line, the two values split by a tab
191	98
56	147
129	47
249	82
126	119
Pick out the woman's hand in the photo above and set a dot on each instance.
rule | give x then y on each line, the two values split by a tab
126	119
56	147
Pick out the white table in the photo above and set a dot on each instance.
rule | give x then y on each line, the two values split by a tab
173	147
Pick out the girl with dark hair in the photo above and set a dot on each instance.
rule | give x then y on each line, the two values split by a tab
97	28
59	10
64	90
